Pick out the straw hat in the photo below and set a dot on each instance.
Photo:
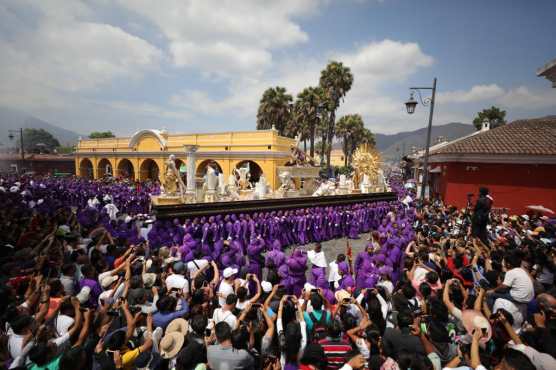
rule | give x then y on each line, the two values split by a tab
178	325
171	344
341	295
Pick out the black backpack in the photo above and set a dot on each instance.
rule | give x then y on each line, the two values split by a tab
319	327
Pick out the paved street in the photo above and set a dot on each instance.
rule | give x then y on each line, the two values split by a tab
336	246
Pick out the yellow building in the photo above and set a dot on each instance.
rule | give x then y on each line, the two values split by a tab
336	158
142	156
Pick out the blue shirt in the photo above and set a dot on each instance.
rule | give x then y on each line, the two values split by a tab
161	320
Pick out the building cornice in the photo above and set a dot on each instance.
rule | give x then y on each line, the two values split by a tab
493	158
207	154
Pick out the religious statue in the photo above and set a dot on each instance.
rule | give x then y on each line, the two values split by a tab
287	183
221	185
243	176
209	186
365	162
261	187
297	156
325	188
231	188
172	181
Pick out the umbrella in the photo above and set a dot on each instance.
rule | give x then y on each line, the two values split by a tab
541	209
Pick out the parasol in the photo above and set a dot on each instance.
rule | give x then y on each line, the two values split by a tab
541	209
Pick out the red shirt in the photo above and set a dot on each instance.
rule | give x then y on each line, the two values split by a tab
336	352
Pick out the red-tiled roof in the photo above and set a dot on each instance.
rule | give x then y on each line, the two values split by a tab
523	137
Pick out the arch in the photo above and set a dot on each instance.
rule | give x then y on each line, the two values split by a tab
86	168
104	168
149	170
125	169
202	167
254	169
158	134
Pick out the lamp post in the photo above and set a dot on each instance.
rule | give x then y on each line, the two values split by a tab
410	106
11	136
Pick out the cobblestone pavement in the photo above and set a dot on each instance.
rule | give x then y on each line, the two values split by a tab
334	247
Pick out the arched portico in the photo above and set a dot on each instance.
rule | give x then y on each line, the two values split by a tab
125	169
86	168
255	169
104	168
149	170
202	167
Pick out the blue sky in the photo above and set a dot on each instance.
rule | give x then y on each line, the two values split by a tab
198	66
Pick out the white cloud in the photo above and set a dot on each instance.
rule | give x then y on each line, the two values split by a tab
385	60
516	98
523	98
476	93
227	37
58	51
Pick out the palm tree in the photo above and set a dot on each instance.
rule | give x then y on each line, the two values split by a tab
350	128
275	109
307	112
336	81
321	146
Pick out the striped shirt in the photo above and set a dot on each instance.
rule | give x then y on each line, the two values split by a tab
336	352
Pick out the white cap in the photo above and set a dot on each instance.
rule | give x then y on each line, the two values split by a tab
128	219
63	324
83	295
267	286
525	217
308	287
228	271
108	280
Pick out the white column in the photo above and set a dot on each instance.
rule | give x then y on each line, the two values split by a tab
191	153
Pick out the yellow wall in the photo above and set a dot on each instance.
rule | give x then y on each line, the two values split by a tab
336	158
264	147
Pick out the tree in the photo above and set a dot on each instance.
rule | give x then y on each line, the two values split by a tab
39	141
336	81
307	112
352	131
494	115
101	134
275	109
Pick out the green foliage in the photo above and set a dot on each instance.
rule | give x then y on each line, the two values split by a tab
65	149
39	141
275	108
352	131
495	115
307	114
101	135
335	80
344	170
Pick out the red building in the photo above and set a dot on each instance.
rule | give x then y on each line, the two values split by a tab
517	162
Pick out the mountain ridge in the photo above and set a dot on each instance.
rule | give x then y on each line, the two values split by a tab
13	120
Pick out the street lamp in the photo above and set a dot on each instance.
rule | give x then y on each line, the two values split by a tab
12	136
410	106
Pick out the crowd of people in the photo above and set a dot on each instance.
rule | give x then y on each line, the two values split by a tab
89	281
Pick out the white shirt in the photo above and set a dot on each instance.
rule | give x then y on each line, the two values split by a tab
333	274
318	259
542	361
224	289
220	315
68	283
512	309
193	269
176	281
419	273
521	286
15	344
